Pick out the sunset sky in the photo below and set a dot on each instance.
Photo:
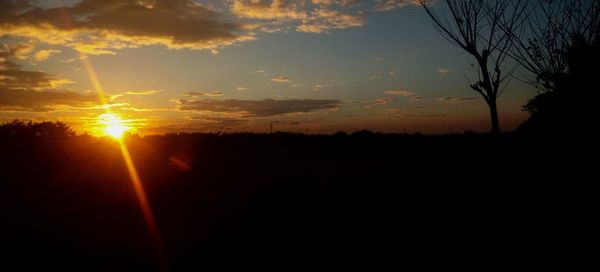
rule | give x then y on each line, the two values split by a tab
187	65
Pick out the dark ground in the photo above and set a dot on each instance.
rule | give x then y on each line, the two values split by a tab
278	202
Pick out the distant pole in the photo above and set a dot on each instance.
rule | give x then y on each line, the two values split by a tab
451	130
404	130
271	127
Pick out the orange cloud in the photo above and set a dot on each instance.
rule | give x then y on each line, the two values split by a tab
323	19
385	5
45	54
269	9
280	79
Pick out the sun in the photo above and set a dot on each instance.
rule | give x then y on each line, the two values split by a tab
114	126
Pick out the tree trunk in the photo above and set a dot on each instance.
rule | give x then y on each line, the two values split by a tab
494	116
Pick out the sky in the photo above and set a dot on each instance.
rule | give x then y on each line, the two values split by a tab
316	66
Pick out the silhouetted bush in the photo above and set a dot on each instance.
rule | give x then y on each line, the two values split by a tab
568	105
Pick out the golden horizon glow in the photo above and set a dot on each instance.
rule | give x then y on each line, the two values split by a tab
114	125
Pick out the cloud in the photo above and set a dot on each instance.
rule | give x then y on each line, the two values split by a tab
341	3
142	92
45	54
22	90
286	14
241	88
379	102
221	122
385	5
269	9
280	79
426	115
447	99
399	93
258	108
135	92
198	94
323	19
416	98
42	101
100	26
442	70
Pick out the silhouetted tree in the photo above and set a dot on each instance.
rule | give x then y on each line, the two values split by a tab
482	28
560	44
568	103
550	30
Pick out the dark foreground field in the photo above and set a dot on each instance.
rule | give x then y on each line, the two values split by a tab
276	202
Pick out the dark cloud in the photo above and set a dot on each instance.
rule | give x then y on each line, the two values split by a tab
98	26
46	100
22	90
221	121
258	108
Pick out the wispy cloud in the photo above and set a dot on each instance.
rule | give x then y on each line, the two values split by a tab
264	9
258	108
45	54
322	19
385	5
416	98
134	93
280	79
142	92
447	99
442	70
199	94
426	115
404	93
379	102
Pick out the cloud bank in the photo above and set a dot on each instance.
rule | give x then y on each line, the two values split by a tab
101	26
258	108
22	90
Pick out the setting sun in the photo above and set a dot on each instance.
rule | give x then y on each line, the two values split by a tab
114	126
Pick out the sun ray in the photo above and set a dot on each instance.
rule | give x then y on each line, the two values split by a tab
115	128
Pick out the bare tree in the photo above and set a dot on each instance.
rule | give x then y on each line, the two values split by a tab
550	30
559	44
483	29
